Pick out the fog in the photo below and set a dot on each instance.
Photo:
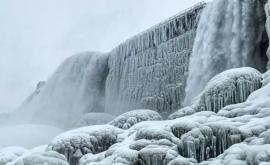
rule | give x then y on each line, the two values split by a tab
37	35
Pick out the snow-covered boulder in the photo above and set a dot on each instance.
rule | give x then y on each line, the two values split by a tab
9	154
42	158
93	139
128	119
94	119
229	87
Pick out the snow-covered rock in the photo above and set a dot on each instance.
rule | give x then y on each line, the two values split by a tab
42	158
35	156
76	88
94	119
128	119
9	154
78	142
229	87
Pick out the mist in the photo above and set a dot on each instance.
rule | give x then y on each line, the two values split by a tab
36	36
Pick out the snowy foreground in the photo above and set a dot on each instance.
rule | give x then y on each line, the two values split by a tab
237	134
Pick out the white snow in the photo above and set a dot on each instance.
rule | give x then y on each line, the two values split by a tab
128	119
93	139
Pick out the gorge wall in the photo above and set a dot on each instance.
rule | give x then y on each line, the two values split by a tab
150	69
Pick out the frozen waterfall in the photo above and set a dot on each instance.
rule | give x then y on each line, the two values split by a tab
76	88
230	34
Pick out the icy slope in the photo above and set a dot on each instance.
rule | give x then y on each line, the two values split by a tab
231	34
76	88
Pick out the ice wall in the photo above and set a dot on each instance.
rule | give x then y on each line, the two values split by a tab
76	88
150	70
230	34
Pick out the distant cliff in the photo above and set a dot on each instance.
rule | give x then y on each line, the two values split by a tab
150	69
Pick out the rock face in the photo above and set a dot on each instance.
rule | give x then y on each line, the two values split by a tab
149	71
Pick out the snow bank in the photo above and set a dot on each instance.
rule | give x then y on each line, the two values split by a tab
128	119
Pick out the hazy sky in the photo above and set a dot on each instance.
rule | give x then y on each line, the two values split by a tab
37	35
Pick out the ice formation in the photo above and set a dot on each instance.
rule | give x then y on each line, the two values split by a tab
229	87
128	119
35	156
149	70
230	34
229	123
93	139
76	88
94	119
9	154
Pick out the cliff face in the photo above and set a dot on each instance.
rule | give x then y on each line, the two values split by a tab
150	69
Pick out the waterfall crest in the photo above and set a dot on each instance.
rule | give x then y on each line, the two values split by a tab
230	34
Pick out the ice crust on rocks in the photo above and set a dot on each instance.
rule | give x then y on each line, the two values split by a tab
93	139
35	156
9	154
128	119
229	87
237	134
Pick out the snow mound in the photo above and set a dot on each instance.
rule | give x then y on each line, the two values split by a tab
93	139
128	119
94	119
42	158
27	135
9	154
229	87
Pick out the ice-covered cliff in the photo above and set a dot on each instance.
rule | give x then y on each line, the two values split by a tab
76	88
150	69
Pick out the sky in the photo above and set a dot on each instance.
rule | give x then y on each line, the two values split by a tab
37	35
